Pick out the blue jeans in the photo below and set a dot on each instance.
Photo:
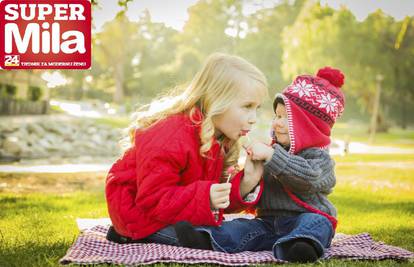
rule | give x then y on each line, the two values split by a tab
270	233
165	236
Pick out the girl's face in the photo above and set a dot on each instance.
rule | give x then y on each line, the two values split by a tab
280	125
238	119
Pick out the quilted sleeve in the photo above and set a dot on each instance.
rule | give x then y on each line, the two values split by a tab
162	195
239	203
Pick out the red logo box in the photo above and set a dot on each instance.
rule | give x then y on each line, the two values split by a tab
45	34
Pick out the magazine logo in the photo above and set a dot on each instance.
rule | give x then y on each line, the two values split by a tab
44	34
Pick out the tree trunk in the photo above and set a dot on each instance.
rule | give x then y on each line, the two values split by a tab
403	113
374	118
78	93
13	76
119	82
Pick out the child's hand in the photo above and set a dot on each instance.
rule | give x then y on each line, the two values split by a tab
220	195
253	172
260	151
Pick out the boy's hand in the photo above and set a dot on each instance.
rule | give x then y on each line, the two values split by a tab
260	151
220	195
253	172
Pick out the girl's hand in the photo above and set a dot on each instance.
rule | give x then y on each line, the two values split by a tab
253	172
220	195
260	151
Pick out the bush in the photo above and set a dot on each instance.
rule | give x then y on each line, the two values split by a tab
34	93
11	90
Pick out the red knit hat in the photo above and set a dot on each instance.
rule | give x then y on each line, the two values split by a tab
313	103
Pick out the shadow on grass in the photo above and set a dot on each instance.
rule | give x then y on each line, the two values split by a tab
11	200
33	253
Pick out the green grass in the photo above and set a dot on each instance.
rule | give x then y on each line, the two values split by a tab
374	193
56	110
36	229
115	122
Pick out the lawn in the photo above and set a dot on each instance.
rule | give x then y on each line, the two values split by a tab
38	211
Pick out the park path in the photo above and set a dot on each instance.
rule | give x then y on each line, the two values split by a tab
338	148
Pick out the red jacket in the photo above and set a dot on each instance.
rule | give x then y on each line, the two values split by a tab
162	179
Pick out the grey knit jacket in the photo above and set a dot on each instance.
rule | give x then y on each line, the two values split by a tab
309	175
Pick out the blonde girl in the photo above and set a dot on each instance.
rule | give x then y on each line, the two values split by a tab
173	168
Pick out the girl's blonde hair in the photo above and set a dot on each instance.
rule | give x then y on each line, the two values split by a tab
212	91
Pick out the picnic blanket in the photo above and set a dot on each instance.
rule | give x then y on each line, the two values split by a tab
91	247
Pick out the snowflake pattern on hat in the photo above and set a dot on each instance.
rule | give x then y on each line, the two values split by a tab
303	88
316	96
327	102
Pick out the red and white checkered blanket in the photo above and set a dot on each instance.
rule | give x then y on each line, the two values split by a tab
91	247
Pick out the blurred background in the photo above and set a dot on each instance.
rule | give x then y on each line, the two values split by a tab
59	130
141	49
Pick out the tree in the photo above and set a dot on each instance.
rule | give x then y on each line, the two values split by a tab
263	42
115	48
157	50
363	50
205	30
403	65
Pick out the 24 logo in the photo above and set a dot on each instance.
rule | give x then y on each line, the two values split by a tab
11	60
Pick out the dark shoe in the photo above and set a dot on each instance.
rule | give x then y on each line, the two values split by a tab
300	250
113	236
190	238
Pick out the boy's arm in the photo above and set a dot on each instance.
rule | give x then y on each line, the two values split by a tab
312	171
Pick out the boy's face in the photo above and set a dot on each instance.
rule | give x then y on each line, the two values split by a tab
280	125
